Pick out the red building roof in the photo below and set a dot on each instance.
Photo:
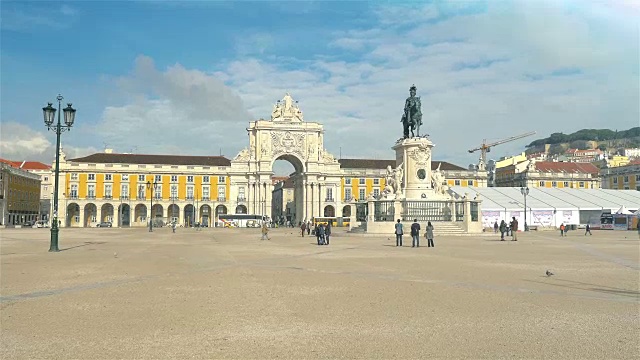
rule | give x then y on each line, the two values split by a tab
567	167
28	165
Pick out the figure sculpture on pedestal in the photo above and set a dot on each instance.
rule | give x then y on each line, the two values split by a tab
397	177
412	117
393	183
436	180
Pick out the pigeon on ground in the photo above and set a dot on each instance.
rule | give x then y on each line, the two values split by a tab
115	254
549	273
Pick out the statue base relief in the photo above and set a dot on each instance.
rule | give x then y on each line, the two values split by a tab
420	182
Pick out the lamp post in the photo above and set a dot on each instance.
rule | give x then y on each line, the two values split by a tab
49	113
525	192
151	186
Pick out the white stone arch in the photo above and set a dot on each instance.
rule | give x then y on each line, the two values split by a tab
286	136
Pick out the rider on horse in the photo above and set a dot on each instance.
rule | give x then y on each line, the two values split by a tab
412	117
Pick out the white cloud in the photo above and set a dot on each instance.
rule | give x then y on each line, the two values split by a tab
20	142
176	111
480	75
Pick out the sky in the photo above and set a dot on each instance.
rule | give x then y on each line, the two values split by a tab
170	77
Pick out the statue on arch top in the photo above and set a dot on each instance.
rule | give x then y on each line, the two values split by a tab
412	117
286	109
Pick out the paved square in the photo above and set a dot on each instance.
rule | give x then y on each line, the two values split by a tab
223	293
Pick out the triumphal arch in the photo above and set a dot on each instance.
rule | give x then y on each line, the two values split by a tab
289	137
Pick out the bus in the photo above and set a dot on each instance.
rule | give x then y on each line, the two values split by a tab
240	220
335	221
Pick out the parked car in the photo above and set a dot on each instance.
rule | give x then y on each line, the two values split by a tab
41	224
28	223
104	224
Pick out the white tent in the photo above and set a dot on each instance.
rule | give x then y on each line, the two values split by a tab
623	211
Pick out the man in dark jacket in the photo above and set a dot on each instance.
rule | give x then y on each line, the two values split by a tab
415	233
399	233
327	232
514	229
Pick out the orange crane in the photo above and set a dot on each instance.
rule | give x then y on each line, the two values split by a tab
485	148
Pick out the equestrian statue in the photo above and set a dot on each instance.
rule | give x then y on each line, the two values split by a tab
412	117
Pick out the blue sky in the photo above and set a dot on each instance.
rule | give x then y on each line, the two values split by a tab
186	77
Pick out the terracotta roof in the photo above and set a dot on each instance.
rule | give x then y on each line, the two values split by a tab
28	165
36	165
567	167
105	158
277	179
382	164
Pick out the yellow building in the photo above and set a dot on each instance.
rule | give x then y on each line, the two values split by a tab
618	160
512	160
19	195
120	189
622	177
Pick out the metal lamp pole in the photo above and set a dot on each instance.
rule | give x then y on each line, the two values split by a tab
525	192
151	187
69	116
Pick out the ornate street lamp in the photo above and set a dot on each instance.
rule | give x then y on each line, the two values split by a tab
151	187
49	113
525	192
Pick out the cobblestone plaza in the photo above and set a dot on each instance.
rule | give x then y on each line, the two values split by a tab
222	293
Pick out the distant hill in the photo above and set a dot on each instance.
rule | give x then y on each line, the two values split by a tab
588	139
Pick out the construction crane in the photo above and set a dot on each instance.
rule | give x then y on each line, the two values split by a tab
485	148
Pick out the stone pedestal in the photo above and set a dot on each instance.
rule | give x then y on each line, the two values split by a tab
415	155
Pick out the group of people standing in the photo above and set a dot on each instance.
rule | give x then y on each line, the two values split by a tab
506	229
322	231
415	233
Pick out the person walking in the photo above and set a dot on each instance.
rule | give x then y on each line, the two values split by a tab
562	229
495	227
303	227
587	230
398	233
503	229
514	229
327	232
265	232
429	234
308	227
415	233
173	227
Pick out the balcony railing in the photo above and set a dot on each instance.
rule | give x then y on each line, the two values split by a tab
242	199
189	197
157	197
173	198
109	197
142	197
329	199
73	196
222	199
348	198
91	196
205	198
124	197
